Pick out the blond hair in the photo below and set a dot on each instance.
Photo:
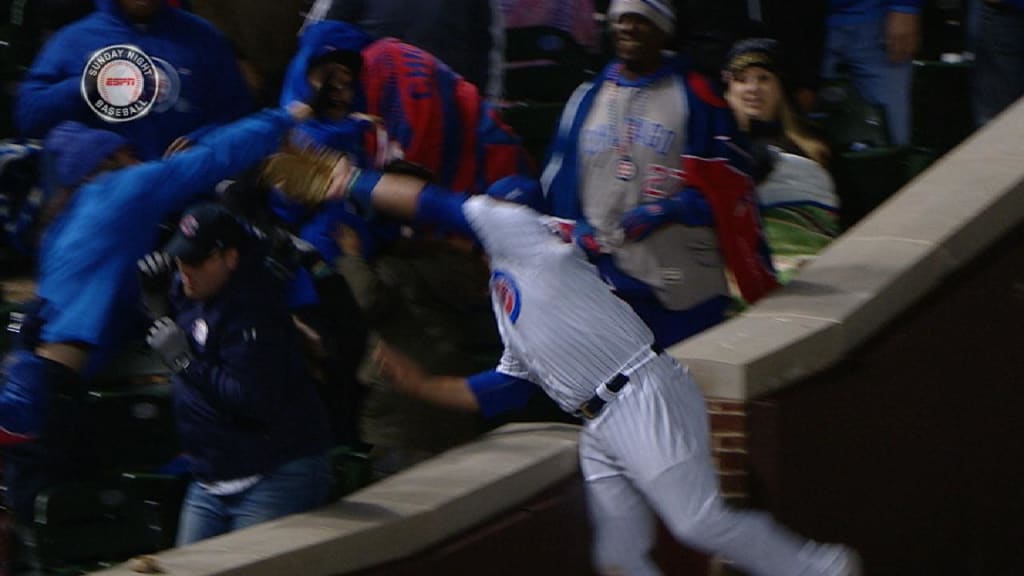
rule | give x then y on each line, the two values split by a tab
795	128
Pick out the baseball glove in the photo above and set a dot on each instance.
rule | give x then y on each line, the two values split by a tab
308	174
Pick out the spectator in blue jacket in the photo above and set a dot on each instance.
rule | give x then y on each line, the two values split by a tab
875	41
326	69
248	415
106	208
154	74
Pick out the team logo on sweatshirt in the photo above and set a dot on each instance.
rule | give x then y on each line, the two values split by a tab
506	294
120	83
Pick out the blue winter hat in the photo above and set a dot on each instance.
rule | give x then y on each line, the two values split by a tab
317	42
518	189
73	150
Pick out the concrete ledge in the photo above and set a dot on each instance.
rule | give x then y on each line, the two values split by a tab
936	224
399	516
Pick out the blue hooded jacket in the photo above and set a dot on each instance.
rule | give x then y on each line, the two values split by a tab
87	270
201	83
711	135
342	135
708	119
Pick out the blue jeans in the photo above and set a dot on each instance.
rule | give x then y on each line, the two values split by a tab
298	486
860	48
999	61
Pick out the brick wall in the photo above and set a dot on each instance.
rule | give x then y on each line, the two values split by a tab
728	419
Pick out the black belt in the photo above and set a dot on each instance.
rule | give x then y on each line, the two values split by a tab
591	408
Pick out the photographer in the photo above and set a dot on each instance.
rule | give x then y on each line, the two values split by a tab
249	417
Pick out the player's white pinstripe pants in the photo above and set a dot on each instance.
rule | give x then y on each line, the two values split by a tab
648	450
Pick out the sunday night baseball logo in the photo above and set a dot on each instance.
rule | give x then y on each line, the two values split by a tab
120	83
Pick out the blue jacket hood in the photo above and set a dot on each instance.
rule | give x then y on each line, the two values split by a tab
112	7
317	40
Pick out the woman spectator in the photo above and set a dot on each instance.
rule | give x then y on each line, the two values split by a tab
797	198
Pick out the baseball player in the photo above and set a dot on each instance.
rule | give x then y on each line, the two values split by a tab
644	446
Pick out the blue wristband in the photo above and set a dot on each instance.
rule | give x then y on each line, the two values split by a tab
360	190
497	393
440	207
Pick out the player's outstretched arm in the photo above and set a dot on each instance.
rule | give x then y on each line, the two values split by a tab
409	198
394	194
312	176
409	378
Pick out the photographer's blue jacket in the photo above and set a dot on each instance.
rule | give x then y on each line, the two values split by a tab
200	81
247	403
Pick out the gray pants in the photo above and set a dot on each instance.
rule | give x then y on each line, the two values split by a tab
647	453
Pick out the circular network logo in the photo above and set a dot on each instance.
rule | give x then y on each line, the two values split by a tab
120	83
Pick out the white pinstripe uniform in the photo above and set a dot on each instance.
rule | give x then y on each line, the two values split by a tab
648	448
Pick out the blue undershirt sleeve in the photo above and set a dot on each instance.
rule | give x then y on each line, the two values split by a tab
436	205
440	207
497	393
361	188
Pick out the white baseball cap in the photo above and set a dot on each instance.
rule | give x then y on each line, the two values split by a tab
663	14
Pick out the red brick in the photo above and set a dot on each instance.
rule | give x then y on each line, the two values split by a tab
735	499
728	423
732	462
734	484
725	407
730	442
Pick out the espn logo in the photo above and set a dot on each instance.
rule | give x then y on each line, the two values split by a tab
120	82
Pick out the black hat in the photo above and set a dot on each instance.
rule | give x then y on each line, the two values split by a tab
203	229
761	52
